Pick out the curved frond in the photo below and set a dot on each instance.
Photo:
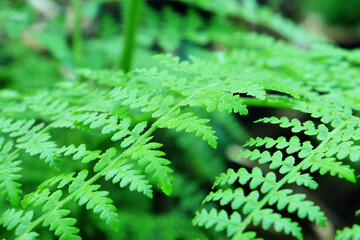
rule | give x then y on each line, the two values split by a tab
32	138
290	157
54	216
99	202
148	156
347	233
125	174
9	173
220	220
189	123
12	219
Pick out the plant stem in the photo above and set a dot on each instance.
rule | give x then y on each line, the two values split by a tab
131	21
274	102
76	33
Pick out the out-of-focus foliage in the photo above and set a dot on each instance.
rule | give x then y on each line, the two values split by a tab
336	12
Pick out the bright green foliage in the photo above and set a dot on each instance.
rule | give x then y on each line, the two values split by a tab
133	139
124	175
9	173
12	219
103	150
251	206
31	137
54	217
154	163
190	123
352	233
220	220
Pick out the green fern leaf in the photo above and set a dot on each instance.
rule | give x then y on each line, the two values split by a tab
296	126
47	106
347	233
54	217
62	180
303	179
105	159
31	138
11	219
126	175
80	152
268	218
296	202
146	155
96	200
317	162
99	202
325	165
220	220
63	226
189	123
9	169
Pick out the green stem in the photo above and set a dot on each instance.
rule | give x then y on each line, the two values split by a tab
270	101
131	21
77	40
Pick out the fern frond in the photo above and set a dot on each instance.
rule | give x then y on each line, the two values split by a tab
267	218
291	146
254	13
113	78
124	174
80	152
9	173
268	182
46	105
340	145
147	155
32	138
54	217
222	102
325	165
213	85
111	125
220	220
243	176
343	150
189	123
319	162
266	190
62	180
105	159
329	114
347	233
296	202
296	126
303	179
251	203
99	202
11	219
63	226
